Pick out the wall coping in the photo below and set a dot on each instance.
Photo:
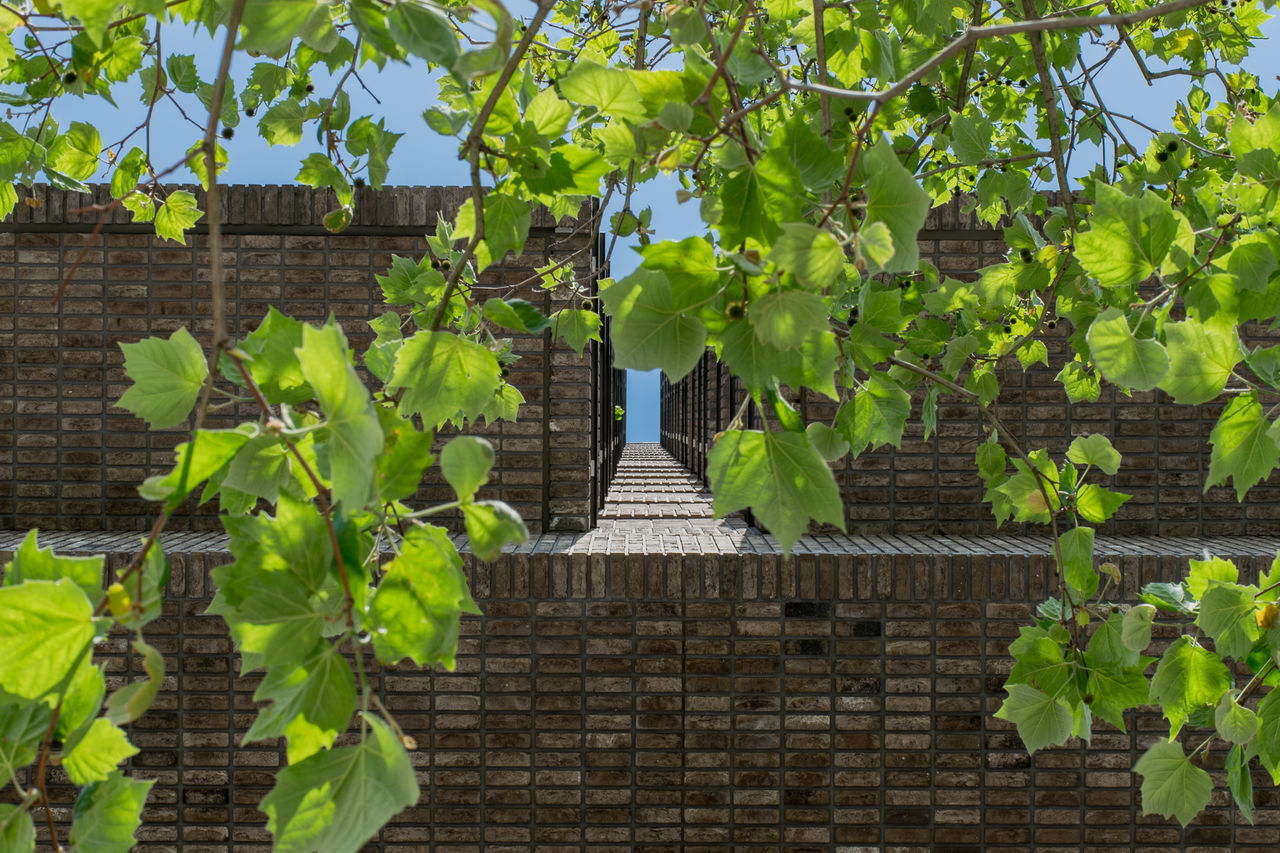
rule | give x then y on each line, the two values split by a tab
248	208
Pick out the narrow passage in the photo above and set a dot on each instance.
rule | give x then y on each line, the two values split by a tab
650	483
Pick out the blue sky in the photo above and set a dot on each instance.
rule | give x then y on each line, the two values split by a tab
424	158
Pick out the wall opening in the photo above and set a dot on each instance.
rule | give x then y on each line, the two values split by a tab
643	405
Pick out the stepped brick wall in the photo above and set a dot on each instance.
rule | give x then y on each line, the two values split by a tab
672	682
71	460
933	486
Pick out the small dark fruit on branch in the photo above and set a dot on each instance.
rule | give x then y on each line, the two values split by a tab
1172	146
1162	156
586	305
736	310
69	78
309	88
228	132
249	111
359	182
1026	256
1052	324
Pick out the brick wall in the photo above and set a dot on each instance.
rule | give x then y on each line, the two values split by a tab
659	699
70	460
933	486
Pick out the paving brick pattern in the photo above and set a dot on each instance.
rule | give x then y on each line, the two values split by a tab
671	681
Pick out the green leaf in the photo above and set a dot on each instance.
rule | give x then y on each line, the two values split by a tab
1106	646
488	59
176	215
422	30
337	799
812	255
107	813
1268	738
1079	383
131	701
311	703
649	330
1076	547
268	613
1097	504
51	622
1240	780
827	441
1244	447
1252	263
971	138
1226	615
1041	720
22	728
282	124
198	460
1135	631
465	463
352	433
1187	679
270	27
506	227
270	356
1038	660
318	170
1171	785
1202	573
129	169
417	607
577	327
18	834
548	113
445	377
182	72
1129	237
1201	359
491	525
1121	357
519	315
1115	690
75	153
894	198
1235	723
406	454
608	89
260	468
167	377
780	476
95	755
31	562
1095	450
1170	597
877	415
690	265
784	319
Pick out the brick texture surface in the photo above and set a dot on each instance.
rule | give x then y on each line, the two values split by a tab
645	676
71	460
